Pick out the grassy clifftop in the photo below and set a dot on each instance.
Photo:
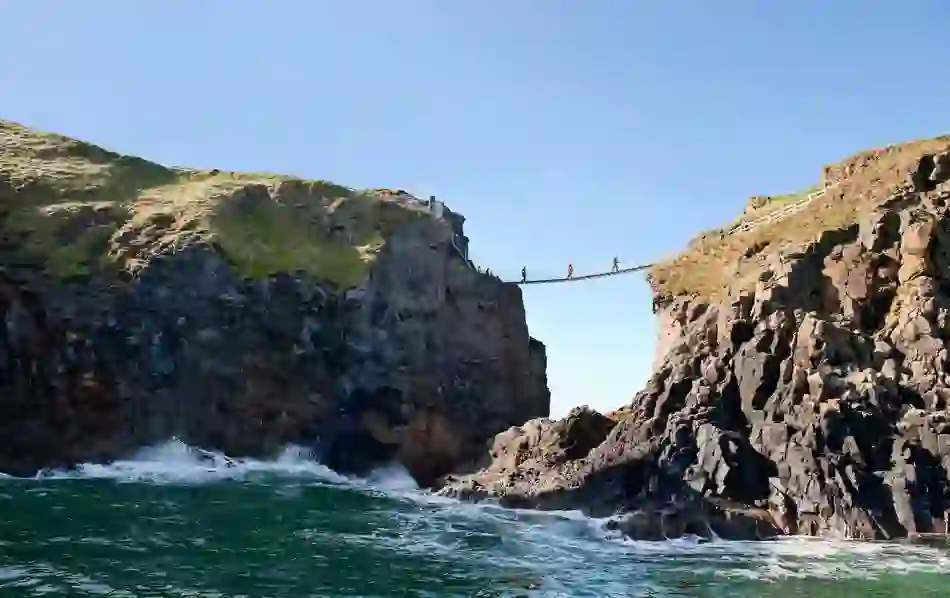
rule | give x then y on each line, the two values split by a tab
732	258
73	207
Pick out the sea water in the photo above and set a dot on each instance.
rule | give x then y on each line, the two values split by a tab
179	522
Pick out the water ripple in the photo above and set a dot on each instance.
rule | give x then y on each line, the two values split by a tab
175	521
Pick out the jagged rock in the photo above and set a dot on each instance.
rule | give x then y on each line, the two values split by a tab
801	380
241	313
702	519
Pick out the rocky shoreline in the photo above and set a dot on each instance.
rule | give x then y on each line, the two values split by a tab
241	312
801	384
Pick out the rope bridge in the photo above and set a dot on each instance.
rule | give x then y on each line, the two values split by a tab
612	272
584	277
745	226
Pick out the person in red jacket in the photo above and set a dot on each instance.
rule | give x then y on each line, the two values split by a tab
570	270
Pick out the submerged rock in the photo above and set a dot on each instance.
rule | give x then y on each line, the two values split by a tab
801	384
242	312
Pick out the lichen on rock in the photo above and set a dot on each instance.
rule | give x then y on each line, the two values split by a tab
242	312
801	385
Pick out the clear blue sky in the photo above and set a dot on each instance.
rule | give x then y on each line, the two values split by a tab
563	130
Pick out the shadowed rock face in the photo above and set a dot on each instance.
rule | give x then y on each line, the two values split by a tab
422	362
814	402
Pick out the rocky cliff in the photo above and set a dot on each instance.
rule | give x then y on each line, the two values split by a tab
242	312
802	382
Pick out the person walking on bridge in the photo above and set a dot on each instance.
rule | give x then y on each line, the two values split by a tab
616	267
570	271
524	274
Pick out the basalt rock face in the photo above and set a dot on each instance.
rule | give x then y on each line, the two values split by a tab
152	303
811	398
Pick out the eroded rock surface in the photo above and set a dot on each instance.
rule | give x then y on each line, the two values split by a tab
242	313
808	396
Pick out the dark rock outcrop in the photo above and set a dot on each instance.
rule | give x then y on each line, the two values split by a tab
241	314
808	396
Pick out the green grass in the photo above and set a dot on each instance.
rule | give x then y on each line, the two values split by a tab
77	208
717	263
763	204
272	238
790	197
81	257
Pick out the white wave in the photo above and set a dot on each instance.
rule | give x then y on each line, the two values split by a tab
176	462
551	543
830	559
392	478
8	573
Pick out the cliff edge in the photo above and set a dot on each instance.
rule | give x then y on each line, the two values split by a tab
241	312
801	379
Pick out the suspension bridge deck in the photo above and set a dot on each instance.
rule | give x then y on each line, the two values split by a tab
584	277
747	225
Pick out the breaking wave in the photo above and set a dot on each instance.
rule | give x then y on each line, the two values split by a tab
561	553
176	462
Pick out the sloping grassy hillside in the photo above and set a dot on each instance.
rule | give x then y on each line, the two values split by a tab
73	207
718	260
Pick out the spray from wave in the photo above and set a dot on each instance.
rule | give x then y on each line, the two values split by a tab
547	542
176	462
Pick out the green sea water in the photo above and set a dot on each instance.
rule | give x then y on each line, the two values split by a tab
180	523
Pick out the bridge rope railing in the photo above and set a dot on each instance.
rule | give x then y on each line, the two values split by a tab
745	226
582	276
783	212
